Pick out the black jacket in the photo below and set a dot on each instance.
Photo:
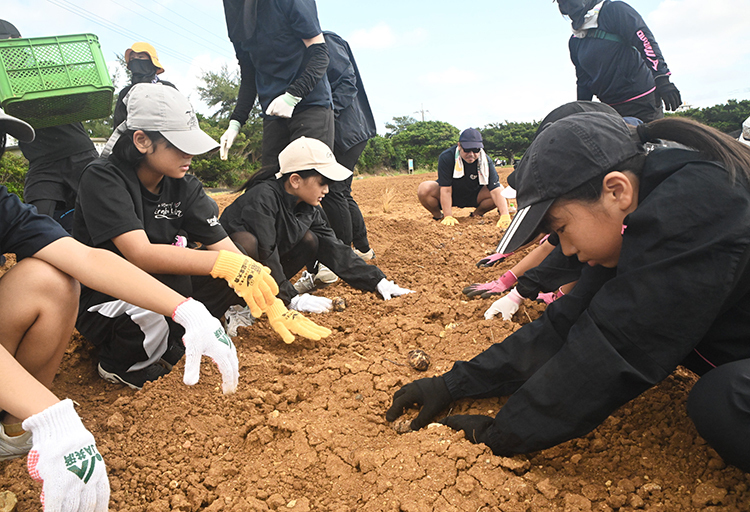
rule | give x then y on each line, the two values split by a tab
682	284
614	71
354	120
273	216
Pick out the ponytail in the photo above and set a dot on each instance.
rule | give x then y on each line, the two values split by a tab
719	146
267	172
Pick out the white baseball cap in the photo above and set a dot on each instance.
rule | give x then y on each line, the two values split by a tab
305	154
164	109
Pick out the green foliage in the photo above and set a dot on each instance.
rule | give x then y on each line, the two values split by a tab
215	172
726	117
398	124
220	89
379	154
423	141
508	139
13	173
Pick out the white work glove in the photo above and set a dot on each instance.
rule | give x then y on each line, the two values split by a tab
283	106
390	289
228	138
506	305
307	303
64	458
204	335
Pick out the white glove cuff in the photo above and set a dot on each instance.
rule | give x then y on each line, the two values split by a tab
294	302
515	297
190	314
234	125
46	426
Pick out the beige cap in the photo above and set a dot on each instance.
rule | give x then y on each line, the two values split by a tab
305	154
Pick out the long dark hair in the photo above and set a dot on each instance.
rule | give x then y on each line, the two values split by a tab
126	151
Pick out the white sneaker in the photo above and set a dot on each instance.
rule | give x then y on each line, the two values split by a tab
325	276
366	256
237	316
309	282
14	447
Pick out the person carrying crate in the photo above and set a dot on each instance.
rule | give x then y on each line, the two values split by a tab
57	156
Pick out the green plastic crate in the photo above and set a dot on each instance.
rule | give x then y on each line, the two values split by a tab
49	81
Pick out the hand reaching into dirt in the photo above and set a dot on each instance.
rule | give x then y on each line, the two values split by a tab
496	287
475	426
288	323
506	306
449	221
388	289
492	260
431	394
204	336
248	278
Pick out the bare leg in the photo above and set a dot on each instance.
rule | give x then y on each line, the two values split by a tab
429	195
485	202
40	305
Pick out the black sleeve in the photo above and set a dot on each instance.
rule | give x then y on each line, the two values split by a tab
493	180
583	80
341	75
22	230
121	111
554	271
340	258
625	21
248	90
316	62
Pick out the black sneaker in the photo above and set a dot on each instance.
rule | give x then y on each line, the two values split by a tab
172	356
134	380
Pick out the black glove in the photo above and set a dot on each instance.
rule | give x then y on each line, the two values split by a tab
475	426
668	92
492	260
430	393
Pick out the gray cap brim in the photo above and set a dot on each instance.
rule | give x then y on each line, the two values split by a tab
192	142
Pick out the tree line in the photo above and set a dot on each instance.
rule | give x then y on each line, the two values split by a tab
406	138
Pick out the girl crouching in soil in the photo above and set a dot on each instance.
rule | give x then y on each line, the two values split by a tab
137	201
666	241
279	223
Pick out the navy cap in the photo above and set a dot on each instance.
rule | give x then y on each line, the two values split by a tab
8	30
566	154
470	138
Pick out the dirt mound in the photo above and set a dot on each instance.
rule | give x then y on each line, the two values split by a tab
306	429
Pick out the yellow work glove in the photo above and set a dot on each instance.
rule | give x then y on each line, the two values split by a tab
449	221
286	322
504	221
248	278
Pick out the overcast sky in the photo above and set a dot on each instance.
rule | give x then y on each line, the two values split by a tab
465	63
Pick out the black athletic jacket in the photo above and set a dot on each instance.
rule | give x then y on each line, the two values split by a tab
271	214
617	71
682	285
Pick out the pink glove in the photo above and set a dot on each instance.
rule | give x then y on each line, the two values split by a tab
496	287
550	297
492	260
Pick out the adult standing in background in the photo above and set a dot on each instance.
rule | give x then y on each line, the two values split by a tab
617	59
56	158
355	125
143	63
283	59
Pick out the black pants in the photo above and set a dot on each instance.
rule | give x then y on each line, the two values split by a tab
303	254
719	405
342	211
131	338
278	132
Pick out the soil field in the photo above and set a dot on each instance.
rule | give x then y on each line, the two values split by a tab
306	429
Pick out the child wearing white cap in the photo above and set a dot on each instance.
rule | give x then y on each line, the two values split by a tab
279	222
138	201
39	297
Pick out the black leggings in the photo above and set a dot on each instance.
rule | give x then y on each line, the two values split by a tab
304	254
719	405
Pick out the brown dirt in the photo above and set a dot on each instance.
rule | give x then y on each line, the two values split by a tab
306	429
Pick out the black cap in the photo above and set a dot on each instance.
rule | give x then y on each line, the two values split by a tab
8	30
564	155
470	138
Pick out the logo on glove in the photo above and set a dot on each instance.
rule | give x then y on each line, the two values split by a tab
87	457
